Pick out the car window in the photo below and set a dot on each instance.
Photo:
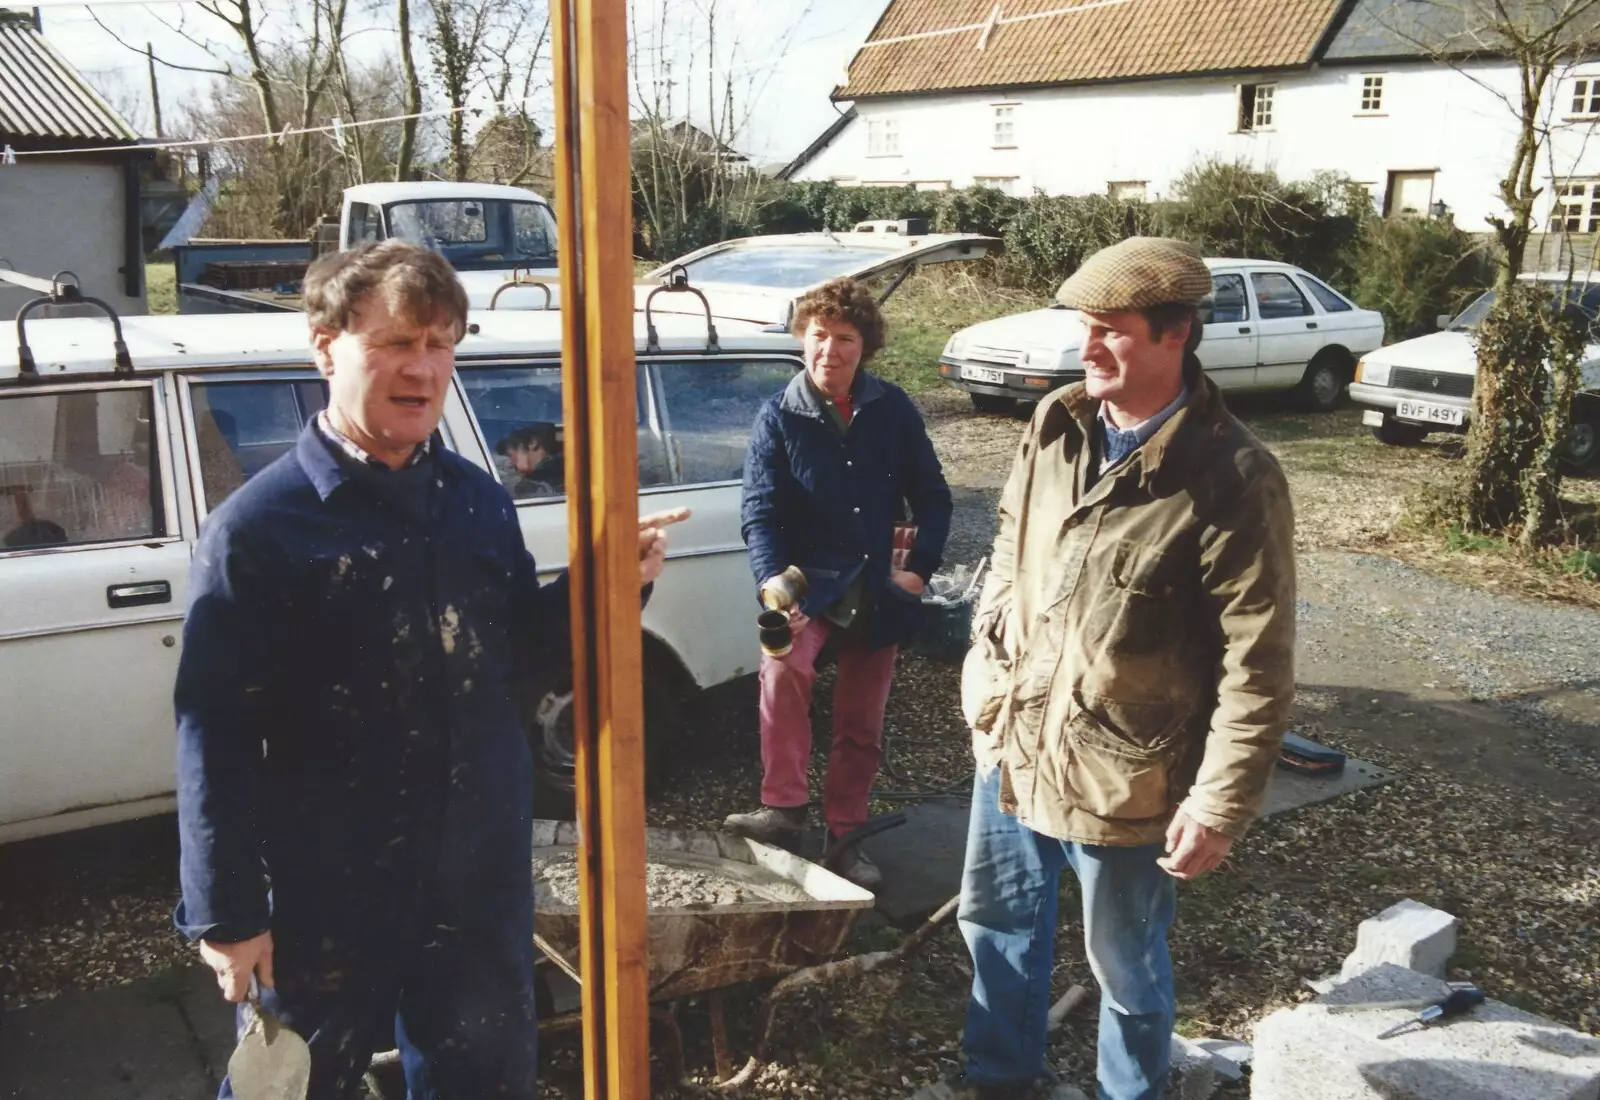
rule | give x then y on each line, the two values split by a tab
243	427
1226	305
1586	297
1331	300
1277	296
788	267
708	407
519	412
364	223
78	468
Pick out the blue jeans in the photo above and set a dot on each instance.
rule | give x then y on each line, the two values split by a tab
1009	892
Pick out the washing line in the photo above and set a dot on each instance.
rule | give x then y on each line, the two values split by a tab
334	127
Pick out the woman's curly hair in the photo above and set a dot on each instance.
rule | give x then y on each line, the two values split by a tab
843	300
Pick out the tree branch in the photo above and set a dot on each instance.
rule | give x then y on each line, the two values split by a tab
226	70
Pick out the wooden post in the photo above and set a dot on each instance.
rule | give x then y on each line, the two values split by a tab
155	89
594	213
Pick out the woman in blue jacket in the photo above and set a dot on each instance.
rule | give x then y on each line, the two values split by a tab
833	461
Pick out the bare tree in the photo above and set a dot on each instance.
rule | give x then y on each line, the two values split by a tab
1527	359
507	148
408	68
693	96
289	56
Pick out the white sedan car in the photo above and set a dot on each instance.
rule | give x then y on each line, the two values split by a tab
1269	326
1425	385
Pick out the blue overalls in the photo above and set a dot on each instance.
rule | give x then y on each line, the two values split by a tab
348	728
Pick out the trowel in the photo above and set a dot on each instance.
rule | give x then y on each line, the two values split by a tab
271	1062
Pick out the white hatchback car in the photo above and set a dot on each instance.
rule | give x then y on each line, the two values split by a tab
1425	385
1269	326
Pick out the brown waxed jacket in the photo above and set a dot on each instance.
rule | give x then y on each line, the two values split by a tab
1135	641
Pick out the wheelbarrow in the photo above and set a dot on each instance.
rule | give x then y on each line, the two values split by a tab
790	915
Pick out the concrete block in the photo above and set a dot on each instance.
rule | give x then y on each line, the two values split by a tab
1229	1056
1409	934
1194	1074
1330	1050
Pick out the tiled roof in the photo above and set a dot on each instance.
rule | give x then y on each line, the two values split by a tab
43	100
1079	41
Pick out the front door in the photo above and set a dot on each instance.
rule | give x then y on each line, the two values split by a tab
92	581
1290	329
1228	350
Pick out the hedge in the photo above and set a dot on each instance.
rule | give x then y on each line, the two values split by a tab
1409	269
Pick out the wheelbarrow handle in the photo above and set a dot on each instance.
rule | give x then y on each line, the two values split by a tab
840	845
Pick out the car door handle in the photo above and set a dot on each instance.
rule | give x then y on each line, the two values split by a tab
1244	330
1311	324
138	595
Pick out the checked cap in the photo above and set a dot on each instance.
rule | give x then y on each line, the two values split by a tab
1138	273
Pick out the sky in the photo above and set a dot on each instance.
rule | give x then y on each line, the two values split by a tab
788	58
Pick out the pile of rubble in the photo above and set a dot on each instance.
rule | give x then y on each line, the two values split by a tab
1364	1037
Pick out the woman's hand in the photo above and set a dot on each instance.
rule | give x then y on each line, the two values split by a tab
911	582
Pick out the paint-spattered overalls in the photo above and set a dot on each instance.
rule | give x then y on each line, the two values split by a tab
348	728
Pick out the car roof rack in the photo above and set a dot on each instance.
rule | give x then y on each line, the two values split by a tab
677	282
519	279
62	289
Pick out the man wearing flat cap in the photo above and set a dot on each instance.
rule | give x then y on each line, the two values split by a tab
1130	681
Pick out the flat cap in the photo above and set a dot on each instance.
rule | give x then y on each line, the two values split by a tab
1138	273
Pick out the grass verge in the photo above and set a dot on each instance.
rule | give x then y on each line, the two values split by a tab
160	286
929	308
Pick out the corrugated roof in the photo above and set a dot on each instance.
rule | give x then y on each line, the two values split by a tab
1101	40
43	100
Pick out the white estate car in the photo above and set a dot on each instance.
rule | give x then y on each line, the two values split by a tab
1425	385
1269	326
106	475
107	472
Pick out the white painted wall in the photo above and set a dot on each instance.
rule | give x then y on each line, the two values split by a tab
59	213
1078	140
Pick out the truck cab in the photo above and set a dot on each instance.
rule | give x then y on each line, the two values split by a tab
492	234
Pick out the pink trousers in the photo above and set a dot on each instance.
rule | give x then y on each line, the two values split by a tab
859	696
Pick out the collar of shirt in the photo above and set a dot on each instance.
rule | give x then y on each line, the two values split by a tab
354	450
1121	442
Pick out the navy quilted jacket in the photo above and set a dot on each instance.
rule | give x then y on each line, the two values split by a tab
828	502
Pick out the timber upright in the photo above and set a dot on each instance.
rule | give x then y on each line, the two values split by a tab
1131	679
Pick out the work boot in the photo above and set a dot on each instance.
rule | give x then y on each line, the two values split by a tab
774	825
959	1087
854	866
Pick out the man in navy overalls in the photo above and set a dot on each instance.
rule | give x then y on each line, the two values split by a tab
361	614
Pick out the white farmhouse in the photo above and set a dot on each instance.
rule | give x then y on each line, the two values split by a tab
1120	97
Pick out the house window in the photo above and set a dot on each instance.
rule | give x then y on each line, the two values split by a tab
1006	185
1577	207
1371	95
932	185
883	137
1255	106
1586	97
1410	193
1005	126
1128	190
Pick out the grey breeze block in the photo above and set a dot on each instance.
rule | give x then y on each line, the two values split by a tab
1317	1051
1409	934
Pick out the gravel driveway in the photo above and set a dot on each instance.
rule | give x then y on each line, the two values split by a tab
1487	703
